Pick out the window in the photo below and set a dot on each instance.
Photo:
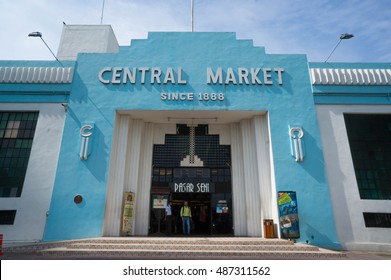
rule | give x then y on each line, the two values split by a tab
7	217
161	176
382	220
220	175
16	138
370	144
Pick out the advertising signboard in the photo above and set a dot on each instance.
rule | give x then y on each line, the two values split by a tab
159	201
128	214
289	217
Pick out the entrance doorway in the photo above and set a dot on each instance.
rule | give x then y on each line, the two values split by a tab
200	205
208	193
192	166
211	214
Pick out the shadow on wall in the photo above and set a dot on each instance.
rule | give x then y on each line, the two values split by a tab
316	238
79	92
97	161
337	189
313	161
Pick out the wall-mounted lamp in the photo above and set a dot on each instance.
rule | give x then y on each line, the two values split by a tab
65	105
39	34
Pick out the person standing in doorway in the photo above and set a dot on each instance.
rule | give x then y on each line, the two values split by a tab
203	218
168	218
186	218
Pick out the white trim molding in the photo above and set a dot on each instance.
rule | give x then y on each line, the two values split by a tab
36	75
350	77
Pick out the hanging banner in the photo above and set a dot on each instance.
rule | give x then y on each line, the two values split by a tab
128	214
289	217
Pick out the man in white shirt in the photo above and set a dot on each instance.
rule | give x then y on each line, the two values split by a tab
168	218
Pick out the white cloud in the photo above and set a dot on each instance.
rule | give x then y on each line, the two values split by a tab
282	26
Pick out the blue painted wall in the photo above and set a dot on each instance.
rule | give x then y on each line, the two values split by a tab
91	101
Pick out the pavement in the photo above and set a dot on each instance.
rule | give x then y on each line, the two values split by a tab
349	255
363	255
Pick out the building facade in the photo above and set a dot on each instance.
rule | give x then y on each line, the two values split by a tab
240	134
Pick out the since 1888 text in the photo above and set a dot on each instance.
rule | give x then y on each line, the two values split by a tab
191	96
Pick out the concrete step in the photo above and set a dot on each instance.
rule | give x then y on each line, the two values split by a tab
34	247
191	247
186	254
177	248
190	240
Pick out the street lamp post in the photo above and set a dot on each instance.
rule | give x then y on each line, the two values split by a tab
344	36
39	34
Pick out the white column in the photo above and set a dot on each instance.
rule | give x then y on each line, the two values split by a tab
262	144
238	185
133	157
144	185
115	184
251	179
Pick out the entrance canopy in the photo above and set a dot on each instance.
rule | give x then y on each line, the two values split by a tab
182	116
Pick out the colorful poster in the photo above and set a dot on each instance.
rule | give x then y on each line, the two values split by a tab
222	207
128	214
289	217
159	201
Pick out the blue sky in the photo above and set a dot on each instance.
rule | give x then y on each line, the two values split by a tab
309	27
